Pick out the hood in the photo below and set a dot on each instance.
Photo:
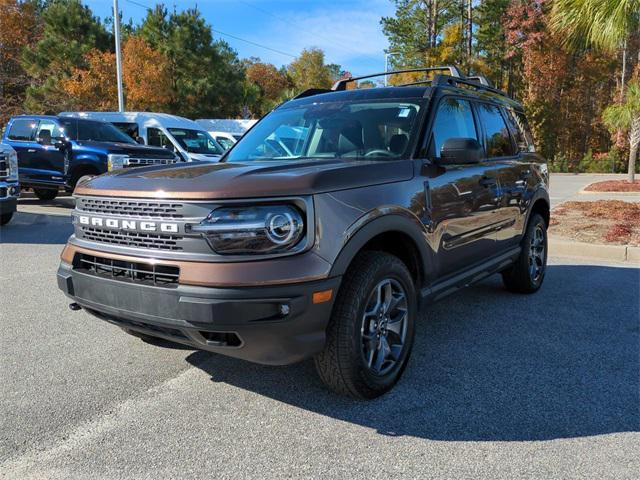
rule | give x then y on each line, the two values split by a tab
209	181
204	157
132	149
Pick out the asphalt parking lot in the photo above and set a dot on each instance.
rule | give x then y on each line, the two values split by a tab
499	386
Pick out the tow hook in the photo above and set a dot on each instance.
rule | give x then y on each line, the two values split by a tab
74	307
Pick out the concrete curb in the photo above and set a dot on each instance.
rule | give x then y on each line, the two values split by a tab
569	248
582	191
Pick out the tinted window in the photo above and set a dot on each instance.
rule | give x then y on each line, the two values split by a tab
194	141
23	129
156	138
497	139
101	132
347	129
130	129
454	119
521	131
69	128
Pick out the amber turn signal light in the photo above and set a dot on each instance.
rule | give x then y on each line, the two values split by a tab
323	296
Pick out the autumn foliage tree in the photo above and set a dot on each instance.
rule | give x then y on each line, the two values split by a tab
19	28
144	74
270	82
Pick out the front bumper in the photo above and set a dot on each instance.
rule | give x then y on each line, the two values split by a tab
273	325
9	192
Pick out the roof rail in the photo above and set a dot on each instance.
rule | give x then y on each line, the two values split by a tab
342	84
310	92
481	79
443	80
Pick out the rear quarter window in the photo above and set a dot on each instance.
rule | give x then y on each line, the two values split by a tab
521	130
22	130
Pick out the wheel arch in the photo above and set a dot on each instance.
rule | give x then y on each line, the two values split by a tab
540	204
400	234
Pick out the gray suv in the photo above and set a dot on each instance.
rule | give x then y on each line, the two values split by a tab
323	231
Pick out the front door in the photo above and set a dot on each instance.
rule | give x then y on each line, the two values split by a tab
48	159
464	199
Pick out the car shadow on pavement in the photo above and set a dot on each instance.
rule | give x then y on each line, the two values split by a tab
37	228
488	365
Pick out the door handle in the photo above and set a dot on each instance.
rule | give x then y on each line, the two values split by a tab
488	182
31	150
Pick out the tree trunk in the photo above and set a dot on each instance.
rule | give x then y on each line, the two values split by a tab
634	143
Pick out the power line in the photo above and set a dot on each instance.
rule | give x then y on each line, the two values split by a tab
230	35
253	43
288	23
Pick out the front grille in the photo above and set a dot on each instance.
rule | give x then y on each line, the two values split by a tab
132	239
4	167
141	162
131	208
134	272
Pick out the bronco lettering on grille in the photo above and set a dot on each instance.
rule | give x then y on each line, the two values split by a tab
145	226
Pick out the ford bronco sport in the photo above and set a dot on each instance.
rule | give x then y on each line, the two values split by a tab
322	231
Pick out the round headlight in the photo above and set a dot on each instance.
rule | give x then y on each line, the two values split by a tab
253	230
281	227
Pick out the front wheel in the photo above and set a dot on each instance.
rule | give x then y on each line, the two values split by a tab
527	273
370	334
45	194
6	218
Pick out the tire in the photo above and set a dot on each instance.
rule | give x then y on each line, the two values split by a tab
527	273
45	194
6	218
350	363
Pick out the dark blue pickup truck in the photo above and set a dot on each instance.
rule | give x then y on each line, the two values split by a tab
55	152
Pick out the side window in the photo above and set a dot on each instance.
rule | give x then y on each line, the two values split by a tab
497	139
156	138
23	130
521	131
52	127
130	129
454	119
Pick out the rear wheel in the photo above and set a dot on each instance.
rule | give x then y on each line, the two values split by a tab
527	273
45	194
370	334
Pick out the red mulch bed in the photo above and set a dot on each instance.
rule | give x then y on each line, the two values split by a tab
605	221
614	186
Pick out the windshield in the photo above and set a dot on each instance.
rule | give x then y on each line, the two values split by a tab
101	132
196	141
353	129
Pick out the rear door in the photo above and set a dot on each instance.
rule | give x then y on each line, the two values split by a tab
463	198
21	136
509	170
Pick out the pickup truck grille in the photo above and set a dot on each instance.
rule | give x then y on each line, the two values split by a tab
135	272
4	166
141	162
131	208
155	241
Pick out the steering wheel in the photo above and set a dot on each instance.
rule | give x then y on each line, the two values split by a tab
378	152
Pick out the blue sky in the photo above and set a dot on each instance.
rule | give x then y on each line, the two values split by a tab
348	31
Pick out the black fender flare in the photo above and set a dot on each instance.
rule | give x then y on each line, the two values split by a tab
541	193
379	221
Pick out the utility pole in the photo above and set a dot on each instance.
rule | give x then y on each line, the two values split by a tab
116	32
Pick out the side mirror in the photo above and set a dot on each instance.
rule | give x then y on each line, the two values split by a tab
140	140
460	151
44	137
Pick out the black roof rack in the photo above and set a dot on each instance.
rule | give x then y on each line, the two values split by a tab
481	79
443	80
342	84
